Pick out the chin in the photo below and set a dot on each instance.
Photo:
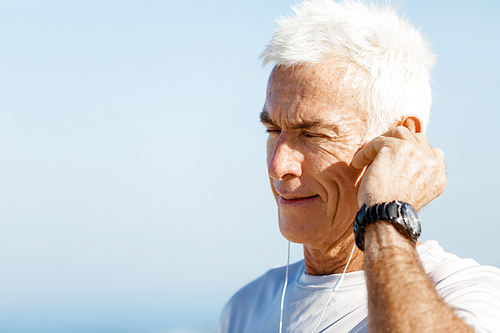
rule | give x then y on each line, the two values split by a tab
296	233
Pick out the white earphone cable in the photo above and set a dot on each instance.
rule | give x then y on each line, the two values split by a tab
284	289
335	288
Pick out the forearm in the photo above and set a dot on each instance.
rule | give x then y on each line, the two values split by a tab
401	296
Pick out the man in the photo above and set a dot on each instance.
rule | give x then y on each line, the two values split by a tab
347	103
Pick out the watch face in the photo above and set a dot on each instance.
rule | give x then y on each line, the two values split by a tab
412	219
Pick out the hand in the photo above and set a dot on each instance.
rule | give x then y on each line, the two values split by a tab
401	165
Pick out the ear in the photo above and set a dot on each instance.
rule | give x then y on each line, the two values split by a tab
412	123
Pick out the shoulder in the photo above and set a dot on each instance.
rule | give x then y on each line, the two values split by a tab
256	297
473	290
444	267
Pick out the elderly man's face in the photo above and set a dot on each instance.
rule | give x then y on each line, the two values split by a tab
314	129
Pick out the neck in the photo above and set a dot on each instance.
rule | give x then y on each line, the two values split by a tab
334	259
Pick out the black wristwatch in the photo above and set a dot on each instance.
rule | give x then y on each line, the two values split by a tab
400	214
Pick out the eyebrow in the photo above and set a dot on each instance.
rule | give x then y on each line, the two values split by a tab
265	119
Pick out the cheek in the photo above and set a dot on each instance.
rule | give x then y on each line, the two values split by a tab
325	156
342	151
336	171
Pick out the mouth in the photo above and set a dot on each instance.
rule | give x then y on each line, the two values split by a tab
297	201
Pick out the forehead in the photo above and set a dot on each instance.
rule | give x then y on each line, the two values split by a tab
312	92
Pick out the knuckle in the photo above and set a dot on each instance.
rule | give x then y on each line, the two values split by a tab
421	136
437	151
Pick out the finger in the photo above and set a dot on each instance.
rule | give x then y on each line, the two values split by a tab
367	154
400	132
424	143
438	153
421	139
441	179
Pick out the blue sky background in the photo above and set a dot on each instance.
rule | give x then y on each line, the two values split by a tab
134	195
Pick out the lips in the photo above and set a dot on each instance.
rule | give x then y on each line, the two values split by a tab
297	200
294	194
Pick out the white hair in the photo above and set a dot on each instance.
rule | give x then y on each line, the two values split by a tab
392	57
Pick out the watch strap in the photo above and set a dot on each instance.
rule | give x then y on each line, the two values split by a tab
401	215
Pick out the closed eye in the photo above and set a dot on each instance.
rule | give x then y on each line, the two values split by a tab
273	131
315	135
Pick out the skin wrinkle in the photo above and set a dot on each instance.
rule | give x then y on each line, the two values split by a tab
317	185
315	124
389	150
297	101
341	252
399	165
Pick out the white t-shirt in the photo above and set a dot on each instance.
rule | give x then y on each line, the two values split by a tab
473	290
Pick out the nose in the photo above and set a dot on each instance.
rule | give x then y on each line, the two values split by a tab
284	162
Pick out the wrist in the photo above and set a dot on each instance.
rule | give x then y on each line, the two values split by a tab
383	238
